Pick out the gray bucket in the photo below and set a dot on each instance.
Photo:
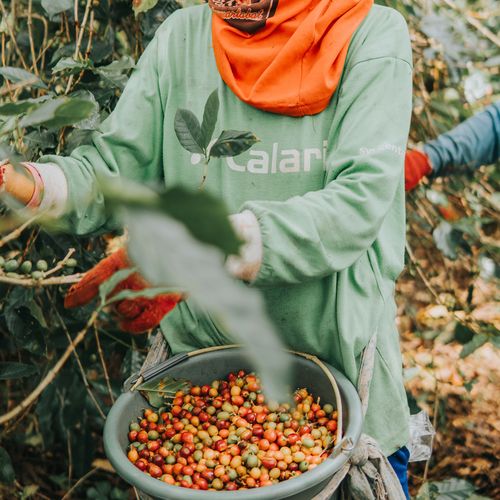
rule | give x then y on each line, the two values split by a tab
217	364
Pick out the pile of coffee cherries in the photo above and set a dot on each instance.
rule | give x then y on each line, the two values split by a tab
224	436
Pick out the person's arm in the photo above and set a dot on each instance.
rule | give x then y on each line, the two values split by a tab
128	143
473	143
325	231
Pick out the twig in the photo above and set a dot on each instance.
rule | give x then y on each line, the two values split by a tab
51	375
17	232
32	283
421	273
30	35
12	36
103	363
61	263
81	32
79	482
79	363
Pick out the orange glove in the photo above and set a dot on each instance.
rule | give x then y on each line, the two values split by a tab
417	165
135	315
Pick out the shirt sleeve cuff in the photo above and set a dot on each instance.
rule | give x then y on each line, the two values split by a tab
247	264
55	189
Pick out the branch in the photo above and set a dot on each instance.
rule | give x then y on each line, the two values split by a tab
17	232
32	283
51	375
61	263
12	36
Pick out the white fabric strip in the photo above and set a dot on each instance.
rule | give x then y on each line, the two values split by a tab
55	189
246	266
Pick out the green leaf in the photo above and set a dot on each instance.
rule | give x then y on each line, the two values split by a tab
188	131
53	7
7	474
232	143
16	75
110	284
71	66
477	341
463	334
159	391
453	489
16	108
115	72
12	370
209	118
166	253
143	5
59	112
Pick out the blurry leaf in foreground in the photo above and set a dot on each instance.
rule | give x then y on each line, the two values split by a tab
166	254
205	216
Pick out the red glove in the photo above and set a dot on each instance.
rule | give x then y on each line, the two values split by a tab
417	165
135	315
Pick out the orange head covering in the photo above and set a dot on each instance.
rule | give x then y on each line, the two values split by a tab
284	56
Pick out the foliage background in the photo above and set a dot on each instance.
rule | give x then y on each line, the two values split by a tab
448	314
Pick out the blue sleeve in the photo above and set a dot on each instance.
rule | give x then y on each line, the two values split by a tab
473	143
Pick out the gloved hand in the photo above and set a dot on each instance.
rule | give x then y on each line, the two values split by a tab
134	315
417	165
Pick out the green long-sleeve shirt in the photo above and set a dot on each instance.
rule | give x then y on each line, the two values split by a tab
327	191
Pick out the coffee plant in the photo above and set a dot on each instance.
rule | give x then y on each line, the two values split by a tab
64	64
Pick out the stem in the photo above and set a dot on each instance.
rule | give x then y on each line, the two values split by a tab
17	232
30	35
204	174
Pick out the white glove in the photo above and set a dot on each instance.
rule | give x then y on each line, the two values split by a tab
246	266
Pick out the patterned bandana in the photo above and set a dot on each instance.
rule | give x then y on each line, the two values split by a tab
245	15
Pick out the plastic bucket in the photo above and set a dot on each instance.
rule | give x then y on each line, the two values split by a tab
217	364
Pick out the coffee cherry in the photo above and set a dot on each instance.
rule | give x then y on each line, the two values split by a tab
42	265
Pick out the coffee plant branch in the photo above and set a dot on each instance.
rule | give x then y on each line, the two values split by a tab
17	232
45	281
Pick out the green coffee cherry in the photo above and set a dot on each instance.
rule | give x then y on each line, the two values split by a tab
12	275
26	267
42	265
2	261
11	265
71	263
37	275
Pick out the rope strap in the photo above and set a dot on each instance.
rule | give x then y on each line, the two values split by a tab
367	474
